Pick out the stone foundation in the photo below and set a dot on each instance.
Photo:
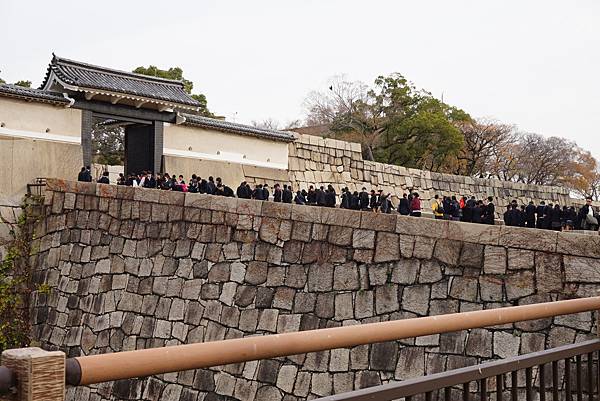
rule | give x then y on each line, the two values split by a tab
131	268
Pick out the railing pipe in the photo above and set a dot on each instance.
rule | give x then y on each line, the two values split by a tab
130	364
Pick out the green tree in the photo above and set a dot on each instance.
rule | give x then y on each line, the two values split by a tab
394	121
25	84
108	145
176	73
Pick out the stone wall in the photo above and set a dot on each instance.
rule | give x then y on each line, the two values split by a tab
321	161
131	268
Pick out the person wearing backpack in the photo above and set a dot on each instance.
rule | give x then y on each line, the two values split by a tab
456	210
437	208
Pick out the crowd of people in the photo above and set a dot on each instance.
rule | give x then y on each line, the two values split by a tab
542	216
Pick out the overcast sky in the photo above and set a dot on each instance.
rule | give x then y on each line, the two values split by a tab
530	63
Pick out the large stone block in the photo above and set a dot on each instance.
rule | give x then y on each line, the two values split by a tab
340	235
523	238
430	272
405	271
308	214
464	288
506	345
494	260
363	239
447	251
479	343
578	244
519	284
520	259
378	221
491	288
386	247
320	277
346	277
548	272
471	232
386	299
472	255
582	269
341	217
422	227
276	210
423	247
411	363
416	299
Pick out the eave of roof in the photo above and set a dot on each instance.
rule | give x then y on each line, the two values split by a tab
30	94
87	77
221	125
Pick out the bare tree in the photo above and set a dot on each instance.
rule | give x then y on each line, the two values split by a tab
268	123
346	108
341	97
484	141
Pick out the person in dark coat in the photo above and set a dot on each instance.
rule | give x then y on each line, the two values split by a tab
277	193
345	201
258	192
506	215
456	210
530	215
82	175
211	186
355	201
320	196
299	199
104	179
242	191
403	207
587	218
373	201
265	189
512	217
311	197
364	199
468	210
193	184
489	212
540	212
330	197
287	194
477	212
569	218
556	218
523	216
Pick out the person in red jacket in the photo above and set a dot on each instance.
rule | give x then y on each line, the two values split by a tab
415	206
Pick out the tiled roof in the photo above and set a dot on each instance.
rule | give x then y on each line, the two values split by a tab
222	125
87	76
39	95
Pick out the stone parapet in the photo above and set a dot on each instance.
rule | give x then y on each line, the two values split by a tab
131	268
322	161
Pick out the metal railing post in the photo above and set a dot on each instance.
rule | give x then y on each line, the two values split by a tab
40	375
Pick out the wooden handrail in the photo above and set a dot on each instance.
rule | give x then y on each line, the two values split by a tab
130	364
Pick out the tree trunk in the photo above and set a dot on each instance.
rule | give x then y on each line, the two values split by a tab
368	153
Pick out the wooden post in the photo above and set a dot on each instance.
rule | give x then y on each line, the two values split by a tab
40	374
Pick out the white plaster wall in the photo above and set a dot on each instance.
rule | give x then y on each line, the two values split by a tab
19	115
206	144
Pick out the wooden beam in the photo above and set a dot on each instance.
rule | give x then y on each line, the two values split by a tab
123	110
89	96
115	99
140	103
